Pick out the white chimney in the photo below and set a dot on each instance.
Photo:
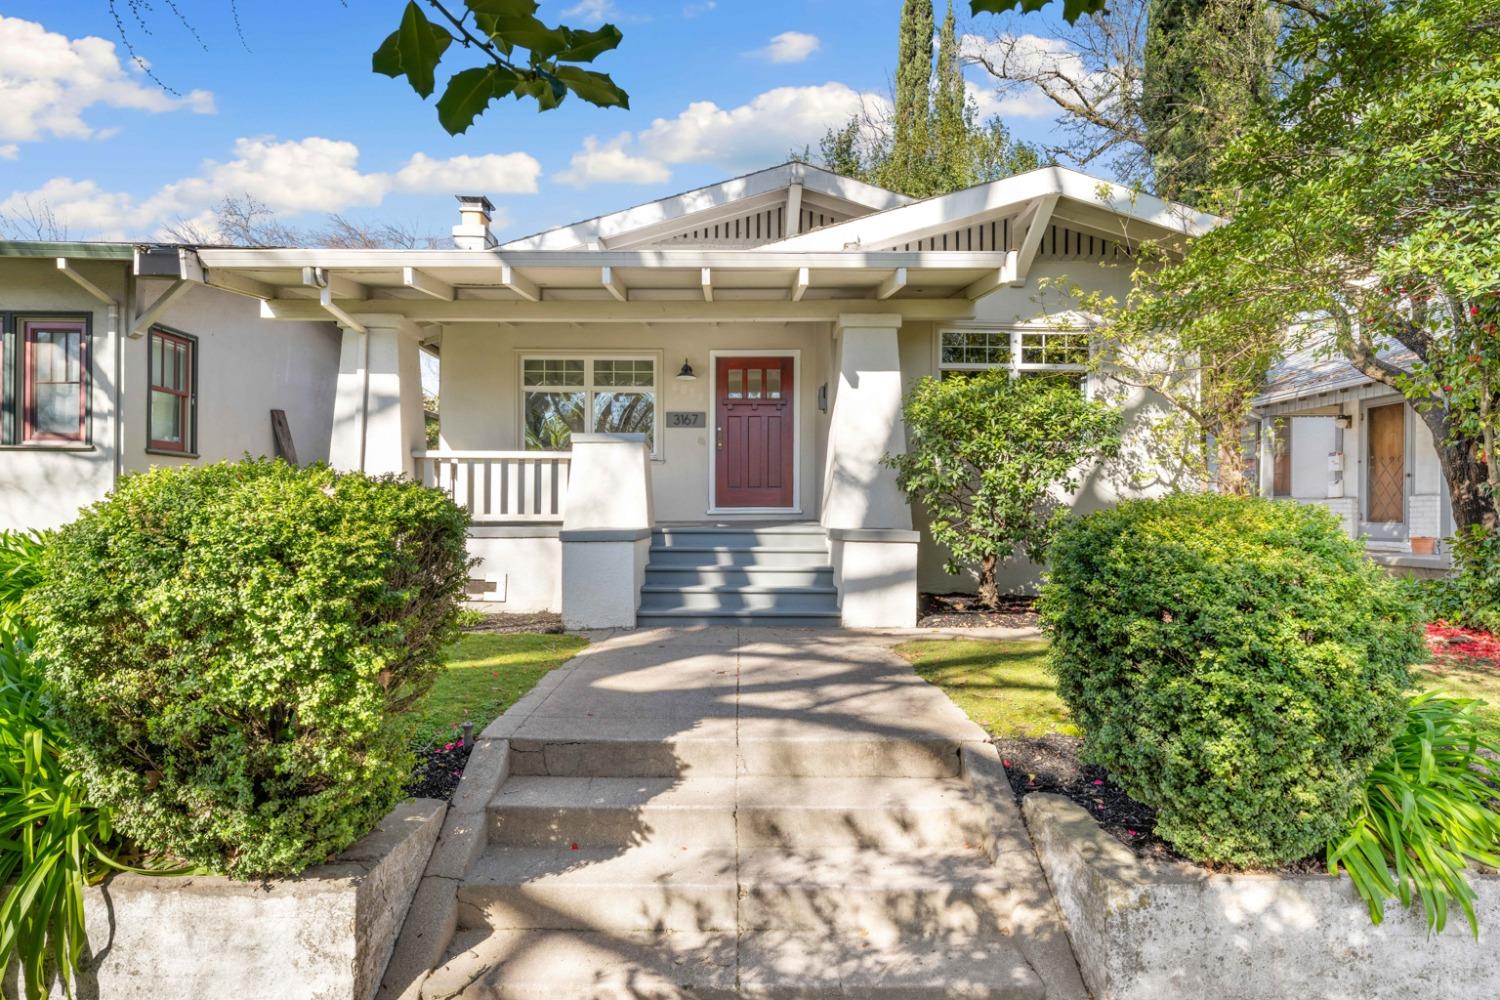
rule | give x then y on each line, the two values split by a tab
473	229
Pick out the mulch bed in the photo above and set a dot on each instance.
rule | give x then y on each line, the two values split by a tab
438	770
965	611
1453	646
1051	764
545	622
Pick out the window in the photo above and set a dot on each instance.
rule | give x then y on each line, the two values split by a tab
55	380
1027	353
567	396
171	413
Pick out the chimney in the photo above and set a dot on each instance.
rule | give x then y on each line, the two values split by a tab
473	229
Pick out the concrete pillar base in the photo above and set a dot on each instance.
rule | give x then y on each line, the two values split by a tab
877	573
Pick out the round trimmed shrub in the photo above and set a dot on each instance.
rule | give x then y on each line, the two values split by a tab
231	647
1235	663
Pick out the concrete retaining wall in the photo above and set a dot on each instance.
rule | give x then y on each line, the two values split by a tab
324	936
1144	931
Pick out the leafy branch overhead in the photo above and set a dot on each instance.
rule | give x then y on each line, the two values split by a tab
498	30
1072	9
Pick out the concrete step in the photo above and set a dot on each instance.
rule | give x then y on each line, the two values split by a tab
752	811
732	599
812	751
680	617
661	886
810	575
720	555
558	965
811	537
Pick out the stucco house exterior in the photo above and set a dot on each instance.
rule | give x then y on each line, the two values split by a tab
676	412
1331	435
112	361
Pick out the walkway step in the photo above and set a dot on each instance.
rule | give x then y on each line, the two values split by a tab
721	600
715	555
810	575
823	751
792	813
561	965
680	617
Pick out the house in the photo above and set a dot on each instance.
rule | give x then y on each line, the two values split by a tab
1330	435
678	412
116	357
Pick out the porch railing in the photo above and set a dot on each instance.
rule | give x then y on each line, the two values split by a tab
500	486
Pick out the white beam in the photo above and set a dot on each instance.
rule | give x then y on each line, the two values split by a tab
799	287
84	283
524	287
231	281
145	320
341	286
612	282
793	210
1000	276
890	286
610	311
708	284
1036	219
325	301
425	283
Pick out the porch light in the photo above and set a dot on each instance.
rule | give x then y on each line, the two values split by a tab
685	373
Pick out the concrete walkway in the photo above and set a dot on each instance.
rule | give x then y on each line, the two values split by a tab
749	813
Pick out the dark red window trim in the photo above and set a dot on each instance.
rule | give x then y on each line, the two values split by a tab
29	330
184	394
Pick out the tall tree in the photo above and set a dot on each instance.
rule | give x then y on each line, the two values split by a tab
913	102
950	127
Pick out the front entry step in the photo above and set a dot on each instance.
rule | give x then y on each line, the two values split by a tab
739	574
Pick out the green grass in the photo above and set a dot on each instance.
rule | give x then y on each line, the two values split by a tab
1465	681
484	675
1002	684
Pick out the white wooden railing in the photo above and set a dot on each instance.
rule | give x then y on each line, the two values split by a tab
500	486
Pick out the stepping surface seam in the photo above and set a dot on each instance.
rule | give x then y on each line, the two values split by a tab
801	831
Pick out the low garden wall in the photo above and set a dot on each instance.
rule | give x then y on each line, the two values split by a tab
326	935
1144	930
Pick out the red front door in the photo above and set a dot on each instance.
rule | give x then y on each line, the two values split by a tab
753	417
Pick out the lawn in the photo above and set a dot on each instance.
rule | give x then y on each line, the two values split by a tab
1002	685
1466	681
484	675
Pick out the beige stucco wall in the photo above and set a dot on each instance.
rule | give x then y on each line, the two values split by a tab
247	366
481	409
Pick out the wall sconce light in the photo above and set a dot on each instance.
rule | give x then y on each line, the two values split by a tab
823	398
685	373
1343	421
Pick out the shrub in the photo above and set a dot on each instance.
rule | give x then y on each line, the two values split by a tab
1471	596
1424	813
986	456
231	646
1237	664
20	570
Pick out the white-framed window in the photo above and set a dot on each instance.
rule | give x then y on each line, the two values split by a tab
566	394
1056	353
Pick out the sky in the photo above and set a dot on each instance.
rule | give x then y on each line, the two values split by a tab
293	116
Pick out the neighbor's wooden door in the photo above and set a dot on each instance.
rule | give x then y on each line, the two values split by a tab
753	432
1387	462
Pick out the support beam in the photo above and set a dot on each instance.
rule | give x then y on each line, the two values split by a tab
793	210
231	281
524	287
995	279
425	283
145	320
609	311
799	287
326	303
890	286
613	284
1036	219
708	284
84	283
341	286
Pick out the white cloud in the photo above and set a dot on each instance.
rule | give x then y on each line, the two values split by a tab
789	47
289	176
48	81
693	10
608	163
596	12
9	151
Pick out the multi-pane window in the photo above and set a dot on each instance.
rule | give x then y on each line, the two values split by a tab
567	396
1032	353
55	380
174	392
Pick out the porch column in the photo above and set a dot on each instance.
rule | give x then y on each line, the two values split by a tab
873	545
606	532
377	415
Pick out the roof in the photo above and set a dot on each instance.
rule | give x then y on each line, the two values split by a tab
65	248
1309	373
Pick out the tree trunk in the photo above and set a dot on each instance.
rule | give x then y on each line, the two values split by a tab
1230	474
989	594
1466	472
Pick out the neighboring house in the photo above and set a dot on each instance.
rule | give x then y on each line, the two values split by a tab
1331	435
111	362
678	412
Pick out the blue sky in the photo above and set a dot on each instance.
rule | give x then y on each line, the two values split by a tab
299	120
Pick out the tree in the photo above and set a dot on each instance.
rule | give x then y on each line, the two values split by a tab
1368	204
246	221
520	56
988	457
909	146
1072	9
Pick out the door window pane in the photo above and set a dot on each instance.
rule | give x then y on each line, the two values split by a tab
736	383
773	383
754	382
552	418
